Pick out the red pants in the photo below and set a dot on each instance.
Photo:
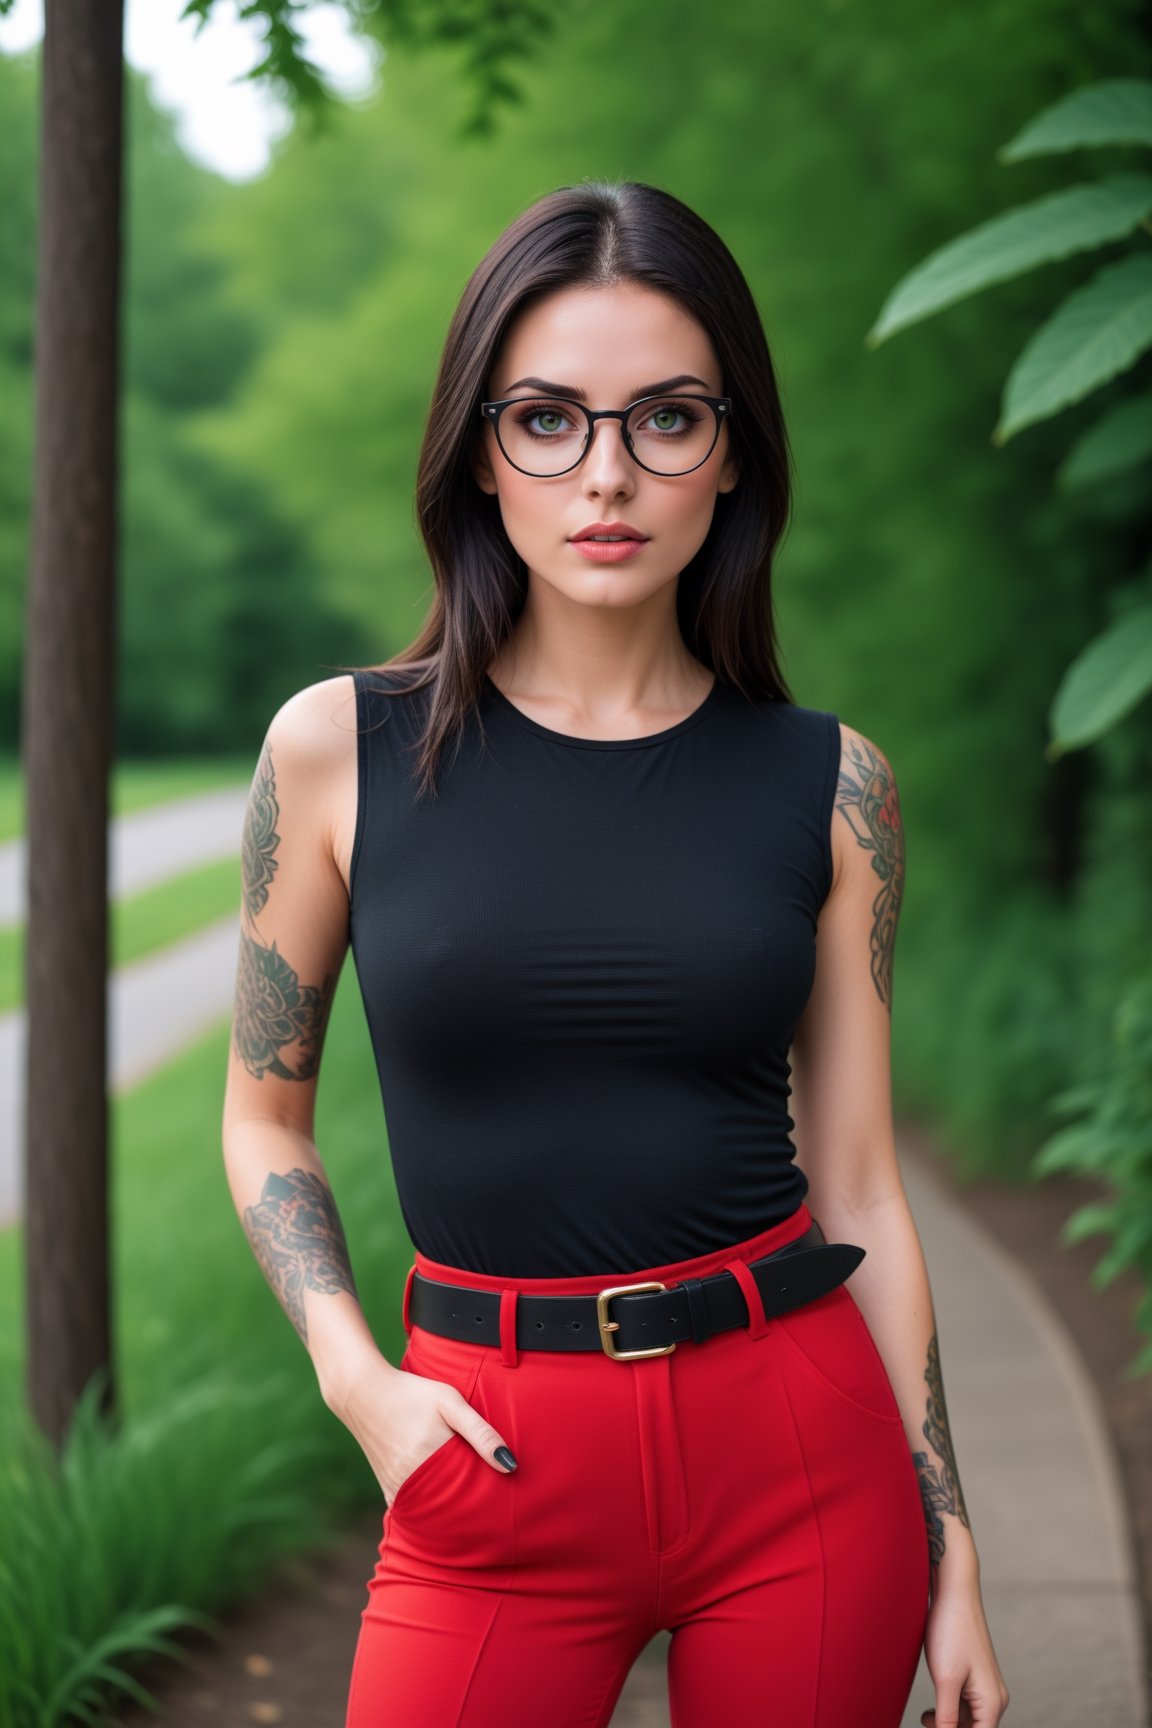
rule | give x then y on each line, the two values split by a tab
755	1495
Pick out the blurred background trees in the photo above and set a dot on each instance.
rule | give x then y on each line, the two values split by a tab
281	339
280	343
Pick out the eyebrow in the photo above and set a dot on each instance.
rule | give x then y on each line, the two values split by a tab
577	395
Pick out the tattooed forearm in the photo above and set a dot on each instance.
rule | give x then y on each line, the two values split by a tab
260	839
296	1234
870	803
273	1010
939	1482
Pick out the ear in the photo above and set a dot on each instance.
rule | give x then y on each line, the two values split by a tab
482	467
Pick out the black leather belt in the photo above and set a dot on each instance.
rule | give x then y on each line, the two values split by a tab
641	1319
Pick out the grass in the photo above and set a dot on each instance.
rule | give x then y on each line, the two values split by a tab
227	1457
131	1539
135	785
142	923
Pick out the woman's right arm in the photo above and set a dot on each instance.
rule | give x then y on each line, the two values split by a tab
293	942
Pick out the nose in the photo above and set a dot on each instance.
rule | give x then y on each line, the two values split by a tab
607	470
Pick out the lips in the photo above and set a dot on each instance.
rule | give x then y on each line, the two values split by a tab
623	530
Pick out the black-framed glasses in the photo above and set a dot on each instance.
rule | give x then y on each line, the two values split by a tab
549	435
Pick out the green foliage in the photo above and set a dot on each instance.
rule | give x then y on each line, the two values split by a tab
1111	1138
1098	332
1101	330
1117	443
1107	678
1103	327
1112	111
489	34
224	610
135	1533
1077	219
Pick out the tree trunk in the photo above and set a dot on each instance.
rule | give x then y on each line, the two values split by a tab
68	707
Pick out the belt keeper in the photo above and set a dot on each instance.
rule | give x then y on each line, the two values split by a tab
697	1309
509	1354
757	1319
407	1308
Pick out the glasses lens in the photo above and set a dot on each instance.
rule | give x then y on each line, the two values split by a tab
669	435
672	434
543	437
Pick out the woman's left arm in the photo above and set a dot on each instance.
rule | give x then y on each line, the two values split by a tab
841	1108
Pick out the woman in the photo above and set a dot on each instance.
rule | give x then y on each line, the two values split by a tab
608	889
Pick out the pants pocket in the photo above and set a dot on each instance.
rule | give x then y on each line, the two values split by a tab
454	1512
829	1337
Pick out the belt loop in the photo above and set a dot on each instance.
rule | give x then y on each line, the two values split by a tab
509	1354
697	1309
757	1319
407	1309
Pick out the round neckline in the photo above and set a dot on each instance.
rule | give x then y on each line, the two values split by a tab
569	738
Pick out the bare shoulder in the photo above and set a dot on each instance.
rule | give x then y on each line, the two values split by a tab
868	804
310	753
317	725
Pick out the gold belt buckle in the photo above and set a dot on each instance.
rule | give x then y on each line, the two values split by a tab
607	1326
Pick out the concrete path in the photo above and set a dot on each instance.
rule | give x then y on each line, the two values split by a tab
158	1005
148	847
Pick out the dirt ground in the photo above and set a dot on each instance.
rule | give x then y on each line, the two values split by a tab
286	1658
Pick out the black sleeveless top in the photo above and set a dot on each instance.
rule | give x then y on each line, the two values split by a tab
581	967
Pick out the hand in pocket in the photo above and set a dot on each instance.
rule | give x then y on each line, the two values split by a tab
401	1420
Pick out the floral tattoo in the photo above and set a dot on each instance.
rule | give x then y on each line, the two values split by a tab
258	847
868	798
274	1013
297	1237
940	1489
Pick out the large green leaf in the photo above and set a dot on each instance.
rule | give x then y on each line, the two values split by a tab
1114	111
1095	333
1073	220
1121	439
1105	680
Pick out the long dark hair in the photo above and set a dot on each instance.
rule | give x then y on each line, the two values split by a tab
597	234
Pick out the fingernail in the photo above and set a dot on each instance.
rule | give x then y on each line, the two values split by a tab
504	1457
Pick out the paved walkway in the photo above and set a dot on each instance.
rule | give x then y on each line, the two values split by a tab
1036	1461
158	1005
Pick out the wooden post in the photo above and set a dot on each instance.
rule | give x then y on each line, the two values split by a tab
68	707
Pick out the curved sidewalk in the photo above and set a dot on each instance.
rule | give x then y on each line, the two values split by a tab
158	1005
1041	1484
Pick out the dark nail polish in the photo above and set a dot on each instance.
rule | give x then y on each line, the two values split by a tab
504	1457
